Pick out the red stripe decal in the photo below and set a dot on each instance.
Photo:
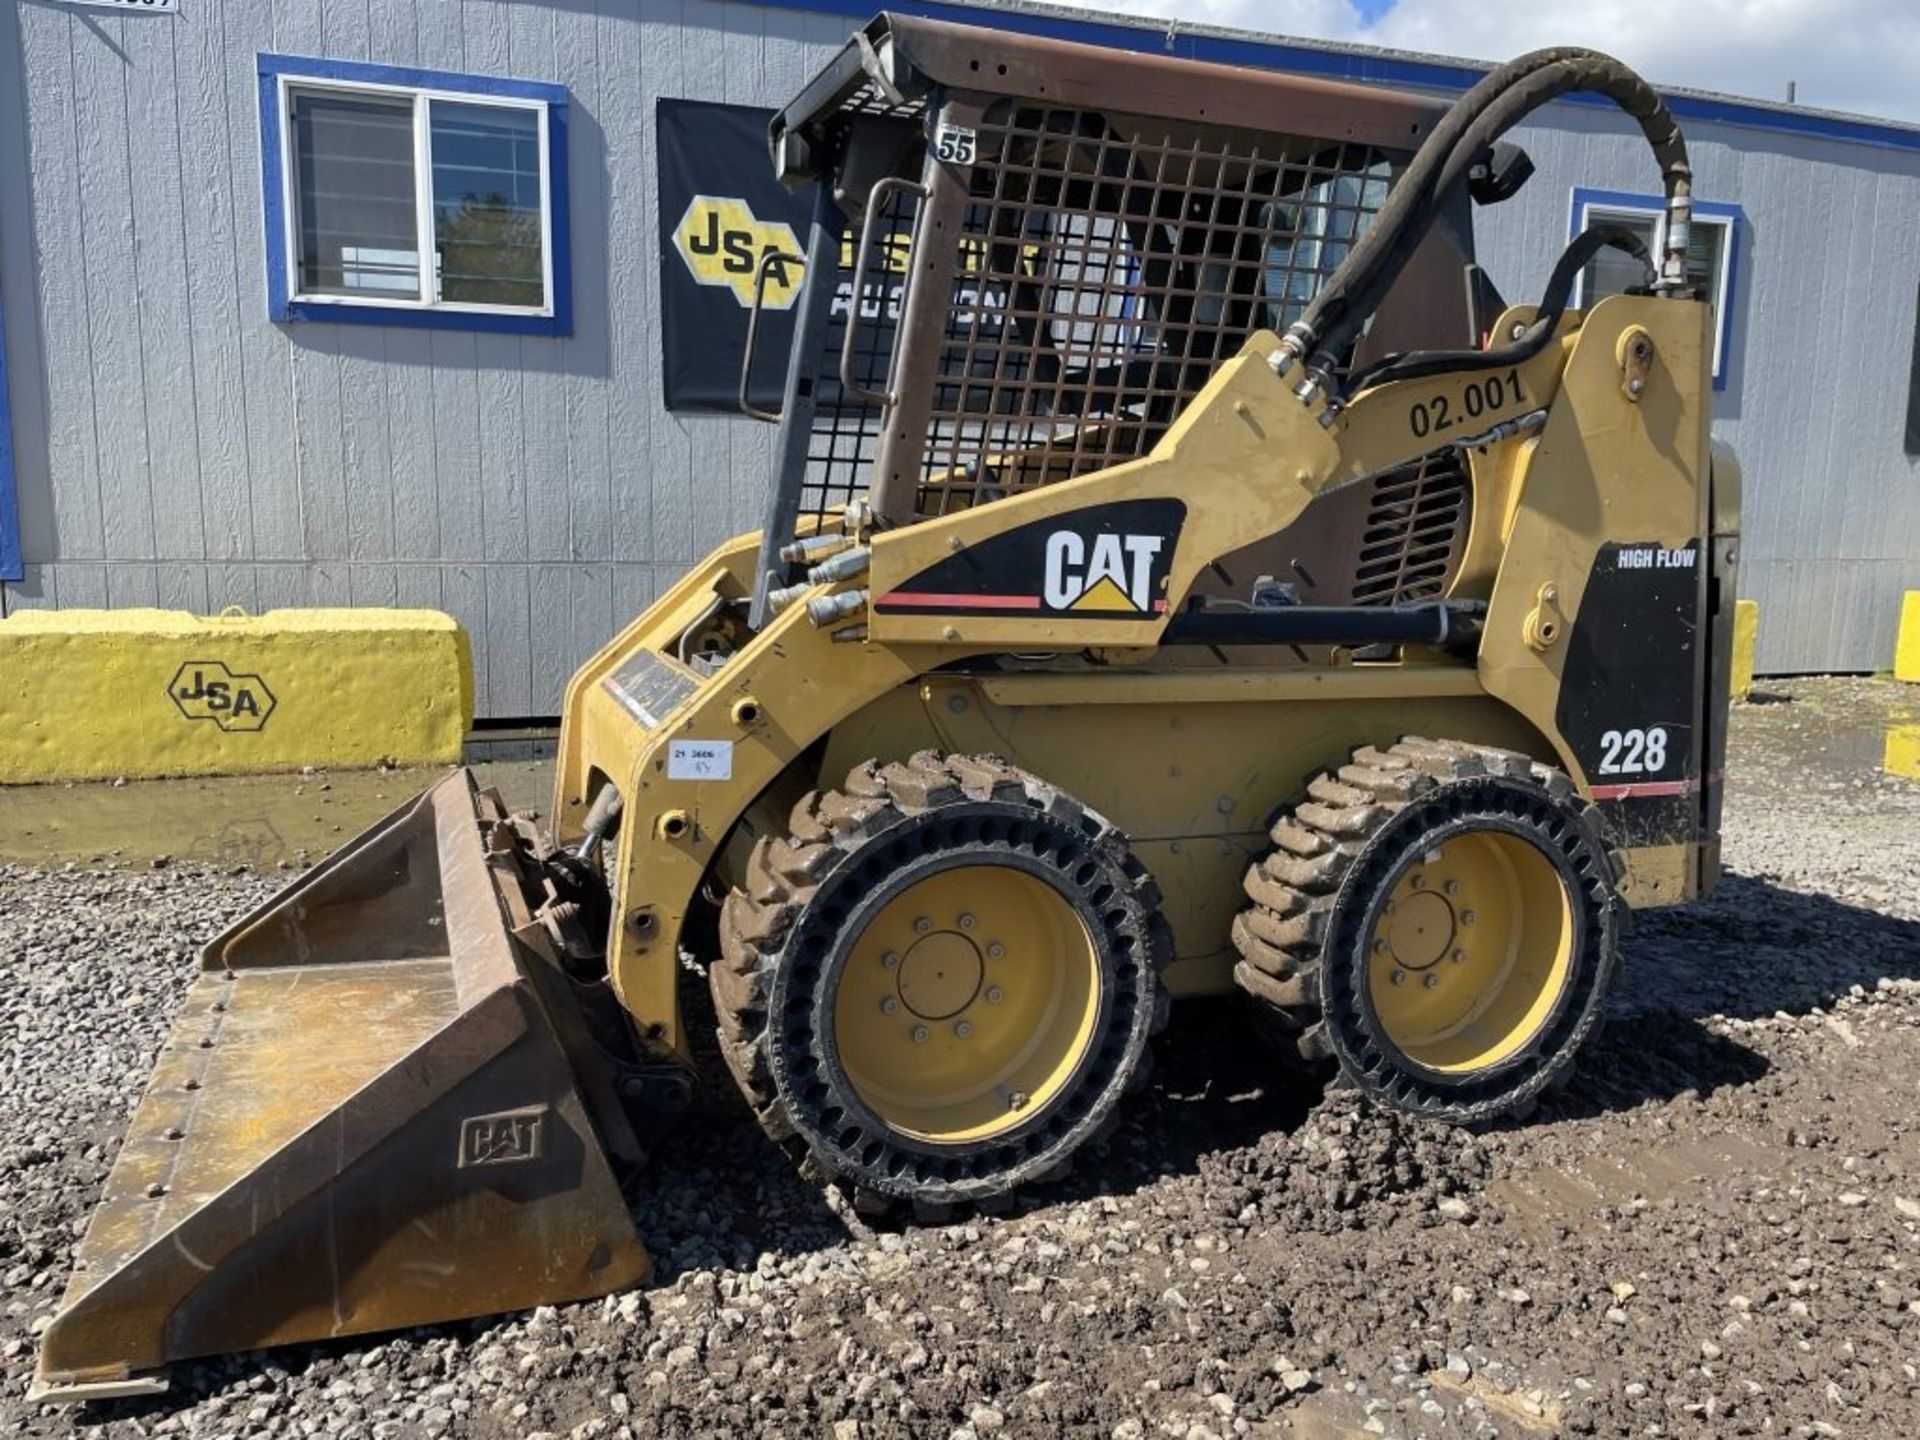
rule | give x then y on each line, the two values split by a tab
1645	789
928	601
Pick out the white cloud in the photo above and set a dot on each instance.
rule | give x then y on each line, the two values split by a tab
1856	55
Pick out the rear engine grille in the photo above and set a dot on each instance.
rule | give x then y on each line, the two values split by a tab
1416	528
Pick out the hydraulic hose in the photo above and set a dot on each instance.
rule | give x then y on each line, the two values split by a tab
1501	100
1530	342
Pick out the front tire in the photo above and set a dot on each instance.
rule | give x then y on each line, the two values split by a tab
939	985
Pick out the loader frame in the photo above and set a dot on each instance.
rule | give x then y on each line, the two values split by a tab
793	701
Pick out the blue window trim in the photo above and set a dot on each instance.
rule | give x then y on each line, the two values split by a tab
12	562
1585	198
281	305
1157	38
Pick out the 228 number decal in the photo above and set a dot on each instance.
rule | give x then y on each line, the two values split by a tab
1633	752
1432	417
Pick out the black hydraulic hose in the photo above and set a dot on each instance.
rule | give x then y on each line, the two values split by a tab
1499	102
1530	342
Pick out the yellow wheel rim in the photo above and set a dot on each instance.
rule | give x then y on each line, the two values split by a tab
967	1003
1472	952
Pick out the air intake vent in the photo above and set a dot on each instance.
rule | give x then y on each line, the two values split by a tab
1416	528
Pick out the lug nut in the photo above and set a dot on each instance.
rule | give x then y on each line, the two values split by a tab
1452	887
922	925
890	960
889	1005
919	1034
1459	955
1380	947
1467	917
994	994
1399	977
963	1028
1431	981
995	950
966	922
1419	881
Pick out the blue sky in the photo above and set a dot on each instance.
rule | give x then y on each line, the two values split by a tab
1854	55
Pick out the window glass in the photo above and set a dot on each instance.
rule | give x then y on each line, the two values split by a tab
1706	248
486	204
1311	236
1093	292
354	196
1614	272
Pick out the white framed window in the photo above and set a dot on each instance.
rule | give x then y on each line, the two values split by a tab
1711	246
409	197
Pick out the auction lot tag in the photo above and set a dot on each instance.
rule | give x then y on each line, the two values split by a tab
699	759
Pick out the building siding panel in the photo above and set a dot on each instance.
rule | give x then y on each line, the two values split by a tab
177	447
212	231
72	456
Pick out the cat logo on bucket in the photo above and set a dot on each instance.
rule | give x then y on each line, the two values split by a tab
725	244
1104	572
208	690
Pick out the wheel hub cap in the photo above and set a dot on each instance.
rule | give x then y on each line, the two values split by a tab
1420	930
940	975
1471	952
967	1003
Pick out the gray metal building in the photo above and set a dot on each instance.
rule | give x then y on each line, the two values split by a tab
194	424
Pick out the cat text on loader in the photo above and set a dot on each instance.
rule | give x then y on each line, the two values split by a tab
1182	575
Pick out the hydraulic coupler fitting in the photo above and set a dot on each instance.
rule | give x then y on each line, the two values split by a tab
844	566
829	608
814	547
778	600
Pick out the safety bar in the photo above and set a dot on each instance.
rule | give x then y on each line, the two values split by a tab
747	407
876	204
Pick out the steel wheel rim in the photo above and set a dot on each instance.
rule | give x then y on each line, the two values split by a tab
968	1004
1470	956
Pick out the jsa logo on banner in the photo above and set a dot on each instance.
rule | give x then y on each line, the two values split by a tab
724	243
1114	572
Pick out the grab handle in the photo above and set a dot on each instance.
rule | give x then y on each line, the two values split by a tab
747	407
876	204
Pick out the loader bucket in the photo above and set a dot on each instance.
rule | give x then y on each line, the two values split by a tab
379	1107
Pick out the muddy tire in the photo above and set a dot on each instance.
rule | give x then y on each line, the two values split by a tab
1436	926
939	984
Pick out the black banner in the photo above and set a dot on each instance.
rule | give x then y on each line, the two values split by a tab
723	218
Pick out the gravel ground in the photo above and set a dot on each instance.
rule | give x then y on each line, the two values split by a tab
1714	1230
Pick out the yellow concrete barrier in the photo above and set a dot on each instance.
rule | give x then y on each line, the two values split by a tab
94	694
1903	751
1746	634
1906	649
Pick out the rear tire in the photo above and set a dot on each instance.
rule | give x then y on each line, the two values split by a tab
1437	924
938	986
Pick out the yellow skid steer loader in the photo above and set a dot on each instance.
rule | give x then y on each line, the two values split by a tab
1182	575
